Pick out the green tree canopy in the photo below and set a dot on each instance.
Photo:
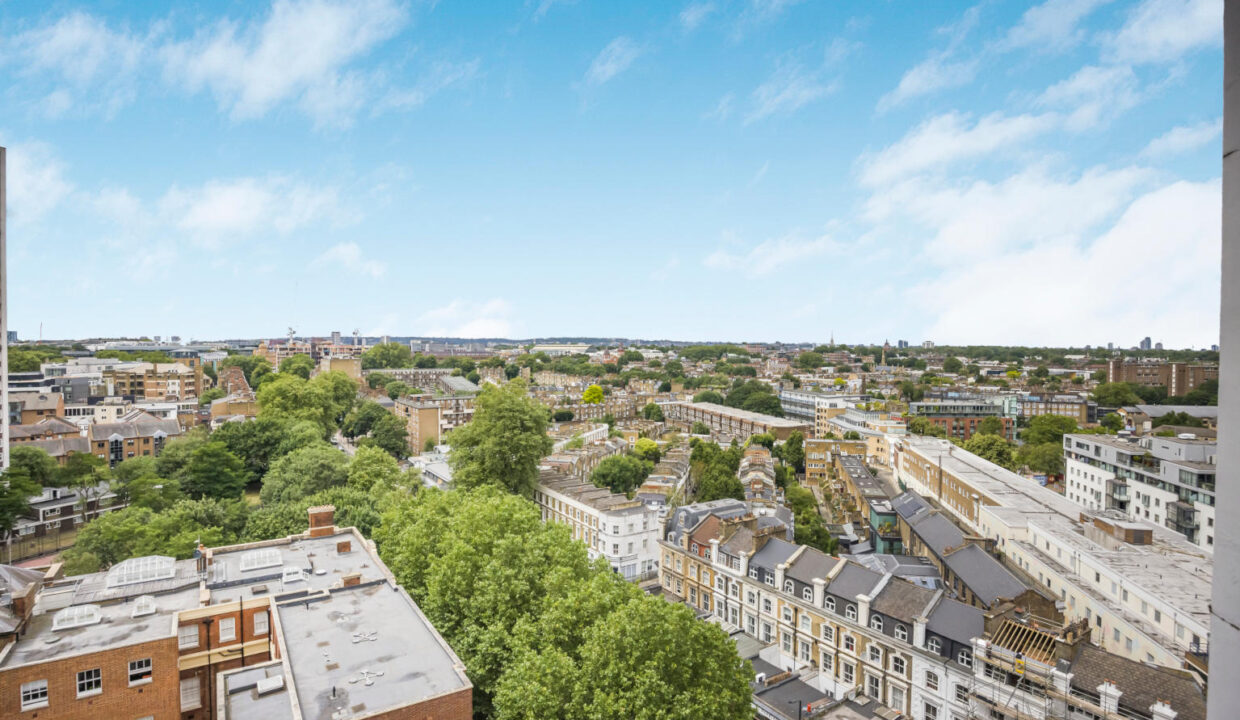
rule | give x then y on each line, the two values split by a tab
1048	429
793	451
373	468
709	396
34	462
593	395
215	472
990	426
389	355
952	365
621	473
304	472
504	443
810	360
210	396
299	365
1112	421
1115	394
992	448
647	449
700	428
652	412
16	489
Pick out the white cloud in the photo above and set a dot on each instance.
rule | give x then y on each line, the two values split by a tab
789	88
935	73
91	64
950	138
694	14
302	52
1165	30
1051	26
36	182
467	319
441	76
348	255
544	6
1183	139
770	255
664	271
1093	95
221	211
612	60
982	219
994	300
723	109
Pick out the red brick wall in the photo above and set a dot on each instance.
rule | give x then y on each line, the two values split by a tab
456	706
159	698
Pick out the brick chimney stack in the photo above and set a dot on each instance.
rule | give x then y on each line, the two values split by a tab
322	520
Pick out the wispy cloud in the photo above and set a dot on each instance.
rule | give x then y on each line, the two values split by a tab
542	7
441	76
1165	30
1093	95
664	271
225	211
348	256
950	138
612	60
37	181
695	14
789	88
1051	26
468	319
1183	139
935	73
302	52
770	255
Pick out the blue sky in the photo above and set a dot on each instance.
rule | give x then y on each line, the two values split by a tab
749	170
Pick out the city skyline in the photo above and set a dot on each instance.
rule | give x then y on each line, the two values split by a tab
779	170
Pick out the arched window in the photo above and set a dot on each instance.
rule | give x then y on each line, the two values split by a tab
807	594
788	588
932	681
876	623
850	612
829	603
901	633
933	645
964	657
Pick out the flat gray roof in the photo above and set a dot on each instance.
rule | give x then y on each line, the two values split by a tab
242	700
371	645
321	563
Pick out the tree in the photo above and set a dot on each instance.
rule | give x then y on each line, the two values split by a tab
151	492
852	435
708	396
214	472
389	355
646	449
324	399
361	420
593	395
136	531
264	440
620	473
992	448
719	482
504	443
175	457
1112	421
793	451
1115	394
299	365
254	367
390	434
952	365
88	475
990	426
396	389
1044	458
38	466
653	412
810	360
373	468
700	428
210	396
766	440
1048	429
562	415
16	489
1041	371
304	472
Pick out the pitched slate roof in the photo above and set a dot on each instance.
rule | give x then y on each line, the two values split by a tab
1141	684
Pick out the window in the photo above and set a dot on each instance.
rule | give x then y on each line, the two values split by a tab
876	654
932	680
139	671
260	623
807	594
964	657
805	651
846	670
872	686
850	612
89	682
962	694
876	622
191	698
228	630
751	625
901	633
805	623
766	605
828	633
34	694
788	587
829	603
753	573
187	637
787	614
826	663
850	643
897	698
897	665
933	645
766	632
786	642
930	712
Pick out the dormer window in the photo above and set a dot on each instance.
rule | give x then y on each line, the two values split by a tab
876	623
850	612
788	587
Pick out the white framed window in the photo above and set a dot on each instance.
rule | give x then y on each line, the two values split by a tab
962	694
876	622
850	612
753	573
829	603
806	623
901	633
932	680
805	650
933	645
787	614
873	686
228	629
260	623
964	657
187	637
876	654
897	664
930	712
807	594
89	682
896	698
34	694
191	697
850	643
828	633
786	642
847	671
826	662
139	671
766	605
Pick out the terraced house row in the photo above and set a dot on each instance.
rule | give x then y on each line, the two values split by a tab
846	630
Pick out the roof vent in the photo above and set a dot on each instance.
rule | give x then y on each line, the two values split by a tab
76	616
258	590
292	574
269	685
